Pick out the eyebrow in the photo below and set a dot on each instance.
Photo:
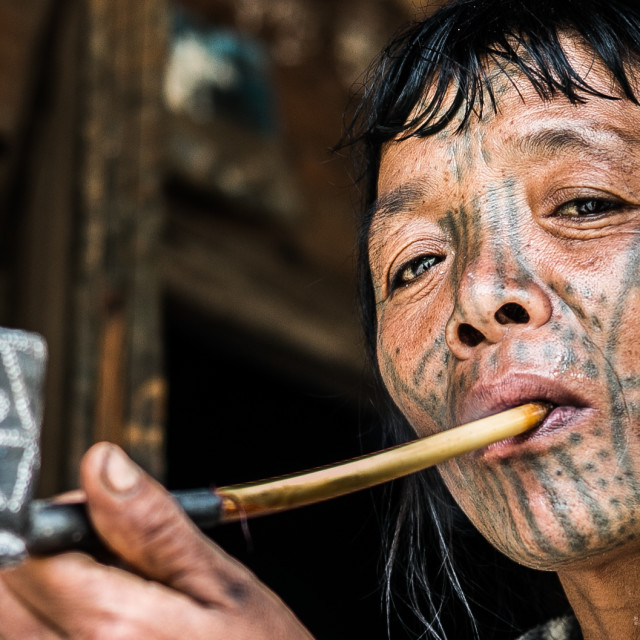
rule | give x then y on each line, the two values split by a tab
403	198
551	141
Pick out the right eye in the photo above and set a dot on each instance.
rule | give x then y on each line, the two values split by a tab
588	207
413	269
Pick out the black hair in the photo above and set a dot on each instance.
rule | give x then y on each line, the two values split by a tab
434	73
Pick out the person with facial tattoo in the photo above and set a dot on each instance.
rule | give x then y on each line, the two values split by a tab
499	265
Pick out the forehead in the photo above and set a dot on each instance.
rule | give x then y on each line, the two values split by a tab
523	120
533	129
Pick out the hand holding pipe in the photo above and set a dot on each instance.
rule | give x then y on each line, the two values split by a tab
45	527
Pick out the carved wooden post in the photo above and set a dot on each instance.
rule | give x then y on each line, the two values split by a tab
117	383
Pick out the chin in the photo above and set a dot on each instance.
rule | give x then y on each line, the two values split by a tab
560	551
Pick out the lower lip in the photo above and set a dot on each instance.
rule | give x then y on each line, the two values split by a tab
560	419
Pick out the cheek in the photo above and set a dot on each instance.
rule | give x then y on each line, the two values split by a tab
605	299
414	362
627	336
624	357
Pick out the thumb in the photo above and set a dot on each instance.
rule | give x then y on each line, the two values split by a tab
144	525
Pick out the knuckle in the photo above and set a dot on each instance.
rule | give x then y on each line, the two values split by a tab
237	591
113	629
154	519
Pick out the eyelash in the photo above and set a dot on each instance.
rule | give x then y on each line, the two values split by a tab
603	206
399	279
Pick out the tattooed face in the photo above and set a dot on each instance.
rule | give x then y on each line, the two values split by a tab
506	265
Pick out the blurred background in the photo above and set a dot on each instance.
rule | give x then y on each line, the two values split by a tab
177	228
174	223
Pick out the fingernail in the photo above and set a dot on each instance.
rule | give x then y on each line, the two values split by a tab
120	474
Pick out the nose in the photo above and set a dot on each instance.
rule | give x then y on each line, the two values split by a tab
491	305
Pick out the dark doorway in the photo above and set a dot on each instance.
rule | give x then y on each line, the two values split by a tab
240	411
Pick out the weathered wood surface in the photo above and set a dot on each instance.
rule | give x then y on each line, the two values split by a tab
40	222
117	381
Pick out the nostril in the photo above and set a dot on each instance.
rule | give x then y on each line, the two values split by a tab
512	313
469	335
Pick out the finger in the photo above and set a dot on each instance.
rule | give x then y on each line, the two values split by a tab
18	621
76	596
147	528
76	495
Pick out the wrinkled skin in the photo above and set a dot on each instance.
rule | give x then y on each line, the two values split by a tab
506	265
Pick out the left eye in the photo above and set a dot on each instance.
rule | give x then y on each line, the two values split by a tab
585	207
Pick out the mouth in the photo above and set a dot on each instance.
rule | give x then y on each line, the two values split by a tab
568	407
560	417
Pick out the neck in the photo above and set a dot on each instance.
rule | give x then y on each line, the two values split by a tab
604	593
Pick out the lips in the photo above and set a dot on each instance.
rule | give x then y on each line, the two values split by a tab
486	399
